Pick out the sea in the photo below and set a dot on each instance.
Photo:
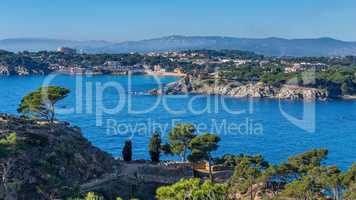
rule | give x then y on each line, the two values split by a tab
111	109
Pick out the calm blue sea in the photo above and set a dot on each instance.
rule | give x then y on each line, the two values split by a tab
245	126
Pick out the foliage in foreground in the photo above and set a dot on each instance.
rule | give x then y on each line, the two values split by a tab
193	189
8	145
302	177
92	196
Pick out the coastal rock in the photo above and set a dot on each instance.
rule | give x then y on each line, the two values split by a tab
4	70
254	90
259	90
22	70
182	86
295	92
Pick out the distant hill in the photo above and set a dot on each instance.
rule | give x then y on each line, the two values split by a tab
40	44
265	46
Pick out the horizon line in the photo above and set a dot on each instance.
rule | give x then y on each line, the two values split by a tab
173	35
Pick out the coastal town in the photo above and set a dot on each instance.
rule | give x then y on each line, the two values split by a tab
178	62
172	63
260	76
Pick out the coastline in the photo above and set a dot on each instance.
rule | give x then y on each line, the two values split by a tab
165	74
257	90
114	74
348	97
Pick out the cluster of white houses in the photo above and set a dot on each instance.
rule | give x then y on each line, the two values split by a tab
114	67
303	66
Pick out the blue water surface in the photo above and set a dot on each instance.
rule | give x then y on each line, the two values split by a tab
260	127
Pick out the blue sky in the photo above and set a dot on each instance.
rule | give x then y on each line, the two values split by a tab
121	20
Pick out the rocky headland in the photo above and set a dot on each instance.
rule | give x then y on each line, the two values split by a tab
20	70
254	90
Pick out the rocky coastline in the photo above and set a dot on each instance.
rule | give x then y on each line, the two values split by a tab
253	90
6	70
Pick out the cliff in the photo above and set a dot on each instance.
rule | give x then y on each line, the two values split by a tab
41	162
45	162
255	90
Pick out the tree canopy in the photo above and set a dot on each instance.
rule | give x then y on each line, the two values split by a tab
180	137
154	147
41	103
202	146
193	189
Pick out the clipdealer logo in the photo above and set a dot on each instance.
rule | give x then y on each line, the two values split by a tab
90	99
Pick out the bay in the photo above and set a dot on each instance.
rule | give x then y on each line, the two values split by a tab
252	126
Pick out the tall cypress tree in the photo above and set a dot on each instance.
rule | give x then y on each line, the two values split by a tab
154	147
127	151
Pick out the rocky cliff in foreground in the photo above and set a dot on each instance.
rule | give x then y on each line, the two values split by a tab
42	162
254	90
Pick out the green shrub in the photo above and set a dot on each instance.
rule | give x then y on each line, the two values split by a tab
8	145
190	189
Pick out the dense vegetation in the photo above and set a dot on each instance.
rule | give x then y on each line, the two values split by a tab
234	54
19	61
304	176
301	177
193	189
337	80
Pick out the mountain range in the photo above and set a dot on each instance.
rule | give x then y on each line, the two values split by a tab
267	46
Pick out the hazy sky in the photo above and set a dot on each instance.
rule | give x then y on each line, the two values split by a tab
120	20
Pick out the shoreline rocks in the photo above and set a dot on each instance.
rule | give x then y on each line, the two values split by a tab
254	90
6	70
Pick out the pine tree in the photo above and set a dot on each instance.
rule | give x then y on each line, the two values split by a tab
179	138
155	147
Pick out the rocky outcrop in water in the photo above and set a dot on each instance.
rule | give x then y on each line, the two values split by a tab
255	90
7	70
